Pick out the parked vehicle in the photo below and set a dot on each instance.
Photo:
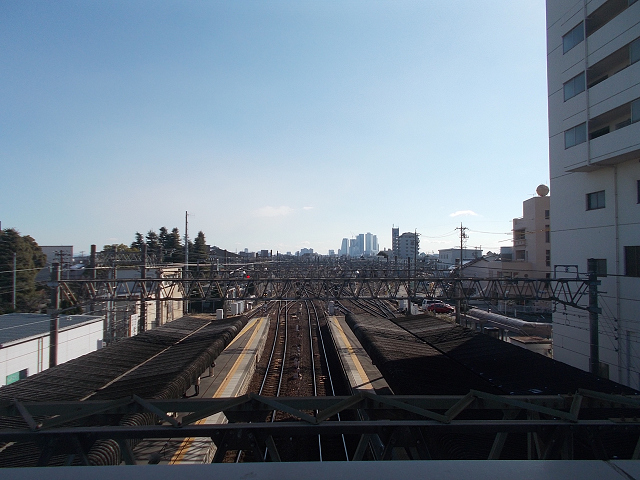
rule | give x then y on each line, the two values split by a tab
440	308
428	301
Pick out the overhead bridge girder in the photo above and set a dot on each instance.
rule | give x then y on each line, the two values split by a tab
570	292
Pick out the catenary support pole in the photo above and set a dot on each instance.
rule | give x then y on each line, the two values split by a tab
15	263
55	312
142	325
594	310
186	261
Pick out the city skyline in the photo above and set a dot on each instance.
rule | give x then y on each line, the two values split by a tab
275	125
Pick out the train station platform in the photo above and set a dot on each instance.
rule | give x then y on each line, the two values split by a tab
232	374
359	370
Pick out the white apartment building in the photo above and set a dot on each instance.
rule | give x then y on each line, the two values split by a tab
408	246
593	48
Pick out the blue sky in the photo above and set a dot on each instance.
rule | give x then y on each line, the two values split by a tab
276	124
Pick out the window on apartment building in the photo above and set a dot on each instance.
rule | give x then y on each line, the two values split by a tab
595	200
638	190
599	265
632	261
547	234
520	254
14	377
635	111
547	258
615	119
613	63
519	234
546	214
634	51
573	37
574	86
605	13
575	135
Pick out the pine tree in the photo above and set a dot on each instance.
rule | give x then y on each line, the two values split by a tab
200	250
153	243
138	242
163	239
29	261
176	248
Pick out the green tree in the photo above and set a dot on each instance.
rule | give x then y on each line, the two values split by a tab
200	250
163	237
29	261
175	247
138	242
120	248
153	243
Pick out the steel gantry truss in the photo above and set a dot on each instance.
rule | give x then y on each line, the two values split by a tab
552	424
569	292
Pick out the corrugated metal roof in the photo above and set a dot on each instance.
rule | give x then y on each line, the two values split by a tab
423	355
159	363
19	326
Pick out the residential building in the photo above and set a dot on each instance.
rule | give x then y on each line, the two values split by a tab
532	236
408	246
449	257
530	254
593	72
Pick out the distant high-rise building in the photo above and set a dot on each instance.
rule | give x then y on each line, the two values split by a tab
368	243
344	249
395	235
353	247
376	249
408	246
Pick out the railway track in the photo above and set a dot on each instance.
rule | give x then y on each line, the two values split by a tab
298	364
377	308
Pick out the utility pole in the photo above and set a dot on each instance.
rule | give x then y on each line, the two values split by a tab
142	322
594	310
113	312
55	312
463	236
15	262
186	259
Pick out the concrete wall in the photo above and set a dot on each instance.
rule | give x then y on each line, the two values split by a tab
33	354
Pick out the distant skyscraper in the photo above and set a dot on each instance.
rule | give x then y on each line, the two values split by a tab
360	243
395	235
353	247
344	249
375	245
368	243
